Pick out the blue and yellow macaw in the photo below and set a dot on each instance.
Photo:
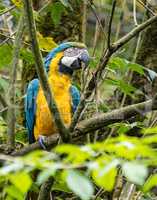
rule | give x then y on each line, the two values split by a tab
59	64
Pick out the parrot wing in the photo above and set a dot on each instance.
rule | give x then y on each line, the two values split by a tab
30	107
75	95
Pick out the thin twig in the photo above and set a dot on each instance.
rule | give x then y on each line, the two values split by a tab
92	6
134	12
42	73
11	119
146	7
133	33
45	189
120	20
46	4
7	39
7	10
96	36
11	38
128	191
84	22
110	23
98	194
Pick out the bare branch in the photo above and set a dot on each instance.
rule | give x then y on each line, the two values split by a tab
110	23
97	17
46	189
42	73
133	33
11	119
10	38
7	10
146	7
95	123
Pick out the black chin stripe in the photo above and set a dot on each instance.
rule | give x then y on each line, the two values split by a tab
65	70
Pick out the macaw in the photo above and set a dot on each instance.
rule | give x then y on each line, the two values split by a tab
59	65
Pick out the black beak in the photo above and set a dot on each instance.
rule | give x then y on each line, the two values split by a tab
83	58
76	64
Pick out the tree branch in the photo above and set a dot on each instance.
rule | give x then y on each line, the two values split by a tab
91	85
133	33
11	118
146	7
114	116
46	189
92	6
63	131
7	10
110	23
95	123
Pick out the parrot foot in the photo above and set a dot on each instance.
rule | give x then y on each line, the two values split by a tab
41	141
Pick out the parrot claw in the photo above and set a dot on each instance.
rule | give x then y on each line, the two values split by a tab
41	142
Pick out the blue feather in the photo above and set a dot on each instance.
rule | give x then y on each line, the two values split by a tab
30	107
75	94
58	49
53	53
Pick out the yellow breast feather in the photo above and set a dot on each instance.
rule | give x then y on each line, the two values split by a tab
60	86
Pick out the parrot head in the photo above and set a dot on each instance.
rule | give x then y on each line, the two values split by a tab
75	56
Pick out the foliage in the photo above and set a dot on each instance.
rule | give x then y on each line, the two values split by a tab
46	43
5	56
73	163
81	170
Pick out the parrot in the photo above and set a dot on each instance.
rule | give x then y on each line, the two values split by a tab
60	63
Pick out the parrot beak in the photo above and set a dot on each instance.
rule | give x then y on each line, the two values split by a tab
82	61
68	64
85	58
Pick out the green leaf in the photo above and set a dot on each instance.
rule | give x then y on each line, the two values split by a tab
151	130
17	3
136	68
104	174
5	56
21	180
11	168
27	56
60	185
126	88
57	10
45	174
46	43
150	183
75	153
122	85
135	172
118	63
14	193
79	184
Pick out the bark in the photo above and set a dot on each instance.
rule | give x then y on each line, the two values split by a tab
46	189
11	118
95	123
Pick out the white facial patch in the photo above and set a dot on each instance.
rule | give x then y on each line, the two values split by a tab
67	61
